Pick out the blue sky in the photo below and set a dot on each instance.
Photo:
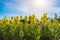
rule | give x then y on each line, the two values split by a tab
27	7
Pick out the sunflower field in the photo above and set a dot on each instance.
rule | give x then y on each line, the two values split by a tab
30	28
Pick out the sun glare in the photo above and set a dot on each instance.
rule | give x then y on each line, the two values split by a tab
41	2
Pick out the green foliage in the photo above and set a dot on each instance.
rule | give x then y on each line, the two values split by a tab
30	28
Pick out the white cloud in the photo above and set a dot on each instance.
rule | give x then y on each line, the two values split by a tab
29	7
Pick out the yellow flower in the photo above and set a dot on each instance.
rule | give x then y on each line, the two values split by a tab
0	21
12	20
44	17
6	20
16	19
48	21
26	19
30	19
35	21
58	24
